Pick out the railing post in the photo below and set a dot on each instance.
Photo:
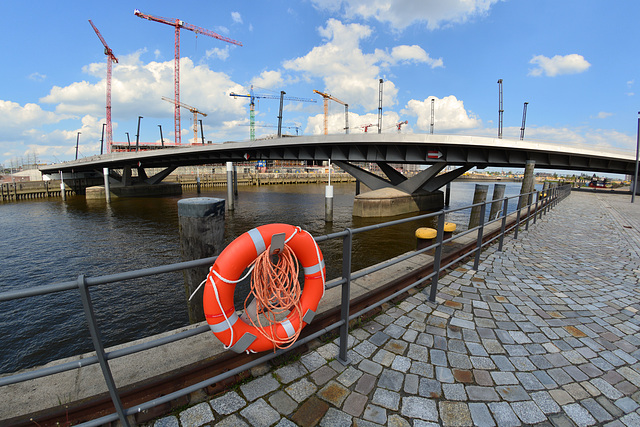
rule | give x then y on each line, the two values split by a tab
515	233
347	244
535	211
437	258
529	203
96	337
503	227
476	261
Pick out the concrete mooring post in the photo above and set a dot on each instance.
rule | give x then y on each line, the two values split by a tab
498	193
230	201
63	193
328	199
528	183
107	189
201	226
479	196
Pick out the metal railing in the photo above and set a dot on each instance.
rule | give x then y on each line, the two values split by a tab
531	211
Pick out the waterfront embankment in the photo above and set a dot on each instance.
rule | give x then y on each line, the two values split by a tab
546	332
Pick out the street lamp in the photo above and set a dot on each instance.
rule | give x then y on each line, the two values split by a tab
161	138
77	143
138	134
102	139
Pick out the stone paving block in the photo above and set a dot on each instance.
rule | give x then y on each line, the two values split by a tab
460	361
370	367
365	384
401	363
415	407
334	393
503	378
282	403
196	415
576	391
627	404
260	414
301	390
375	414
439	357
606	388
323	375
291	372
386	399
430	388
336	418
503	414
394	331
313	361
228	403
354	404
422	369
444	375
480	415
232	421
485	394
365	349
513	393
349	376
396	346
528	412
454	392
596	410
259	387
578	414
545	402
310	413
391	380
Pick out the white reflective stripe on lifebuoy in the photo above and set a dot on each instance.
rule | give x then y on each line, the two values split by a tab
258	241
288	328
224	325
314	268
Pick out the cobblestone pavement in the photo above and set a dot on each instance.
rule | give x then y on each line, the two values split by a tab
544	333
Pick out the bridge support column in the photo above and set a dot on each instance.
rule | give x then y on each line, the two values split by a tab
528	183
479	196
230	201
201	224
107	190
498	193
63	192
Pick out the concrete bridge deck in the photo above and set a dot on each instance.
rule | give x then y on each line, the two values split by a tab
544	333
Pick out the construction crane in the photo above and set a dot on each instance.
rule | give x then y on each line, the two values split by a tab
252	108
328	97
297	128
178	24
110	59
366	127
195	112
399	125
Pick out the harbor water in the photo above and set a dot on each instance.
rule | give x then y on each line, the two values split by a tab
51	241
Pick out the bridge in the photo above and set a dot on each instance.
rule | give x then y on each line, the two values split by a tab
458	152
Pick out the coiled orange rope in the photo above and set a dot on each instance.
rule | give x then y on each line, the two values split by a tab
277	291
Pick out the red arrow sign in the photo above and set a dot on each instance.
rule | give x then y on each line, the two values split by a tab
434	154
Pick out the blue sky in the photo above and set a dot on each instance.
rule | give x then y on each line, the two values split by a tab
575	62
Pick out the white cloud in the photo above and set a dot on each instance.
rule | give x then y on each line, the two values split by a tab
350	74
402	13
604	115
137	88
558	65
217	52
449	114
237	18
37	77
268	79
336	122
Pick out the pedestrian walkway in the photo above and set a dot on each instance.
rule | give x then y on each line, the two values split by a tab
544	333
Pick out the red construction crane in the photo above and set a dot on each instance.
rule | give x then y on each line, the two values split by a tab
178	24
327	97
110	58
195	112
366	127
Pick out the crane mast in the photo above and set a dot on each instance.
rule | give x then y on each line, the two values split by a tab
195	112
110	59
328	97
178	24
252	102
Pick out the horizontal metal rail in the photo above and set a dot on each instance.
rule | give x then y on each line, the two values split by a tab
533	209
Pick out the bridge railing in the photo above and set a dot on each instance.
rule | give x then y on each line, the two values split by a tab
538	204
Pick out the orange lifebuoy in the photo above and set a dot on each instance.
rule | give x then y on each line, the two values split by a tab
237	334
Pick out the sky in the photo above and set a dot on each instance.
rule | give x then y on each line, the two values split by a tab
575	62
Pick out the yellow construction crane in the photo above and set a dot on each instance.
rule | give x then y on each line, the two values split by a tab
195	116
328	97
